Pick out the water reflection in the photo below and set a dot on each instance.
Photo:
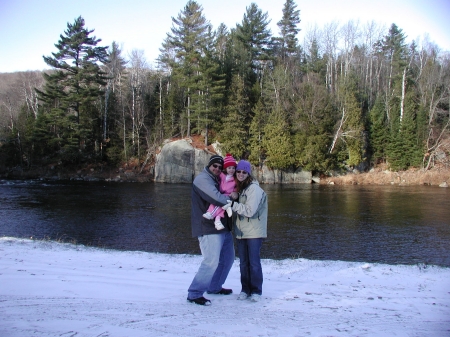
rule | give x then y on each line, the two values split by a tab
388	224
375	223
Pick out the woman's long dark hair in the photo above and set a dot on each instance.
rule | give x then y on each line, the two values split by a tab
242	185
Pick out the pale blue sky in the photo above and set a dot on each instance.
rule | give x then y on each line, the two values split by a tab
30	28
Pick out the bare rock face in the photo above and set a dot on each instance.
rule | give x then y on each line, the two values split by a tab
267	176
179	162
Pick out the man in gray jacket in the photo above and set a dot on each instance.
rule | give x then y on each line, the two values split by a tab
216	246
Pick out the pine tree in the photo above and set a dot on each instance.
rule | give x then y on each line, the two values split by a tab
312	124
257	153
378	132
287	43
211	89
238	62
354	128
234	131
255	35
406	147
315	63
310	151
395	54
188	40
222	36
114	136
72	89
277	142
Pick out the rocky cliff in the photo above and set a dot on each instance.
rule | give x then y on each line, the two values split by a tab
179	162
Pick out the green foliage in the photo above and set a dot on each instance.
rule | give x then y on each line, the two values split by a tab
115	155
315	62
287	43
174	103
350	131
395	49
234	134
257	94
16	145
313	122
211	88
378	132
10	149
257	126
406	148
277	142
71	93
311	152
254	34
189	39
354	128
115	70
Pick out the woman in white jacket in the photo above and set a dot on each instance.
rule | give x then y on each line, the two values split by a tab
250	228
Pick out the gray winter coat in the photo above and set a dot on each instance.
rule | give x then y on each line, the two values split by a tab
251	213
205	191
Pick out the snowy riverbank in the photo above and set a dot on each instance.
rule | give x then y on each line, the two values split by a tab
52	289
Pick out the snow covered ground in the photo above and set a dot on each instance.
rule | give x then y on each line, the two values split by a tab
53	289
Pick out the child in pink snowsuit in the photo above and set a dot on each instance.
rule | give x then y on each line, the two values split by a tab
227	185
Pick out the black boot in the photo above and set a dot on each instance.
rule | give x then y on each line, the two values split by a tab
200	301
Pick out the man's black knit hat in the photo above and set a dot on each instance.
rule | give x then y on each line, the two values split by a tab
215	159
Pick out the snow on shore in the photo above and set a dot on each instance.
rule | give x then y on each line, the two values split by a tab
53	289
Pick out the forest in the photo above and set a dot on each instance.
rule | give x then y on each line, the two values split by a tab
348	97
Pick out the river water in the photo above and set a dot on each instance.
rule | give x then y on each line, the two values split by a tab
377	224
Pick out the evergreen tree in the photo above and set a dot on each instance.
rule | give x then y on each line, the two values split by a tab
211	88
354	127
169	90
173	104
16	147
395	54
350	127
310	152
287	43
188	40
378	132
222	36
277	142
234	131
406	147
257	153
255	35
314	62
72	90
238	61
312	125
113	135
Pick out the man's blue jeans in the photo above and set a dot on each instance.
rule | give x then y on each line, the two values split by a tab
250	264
218	257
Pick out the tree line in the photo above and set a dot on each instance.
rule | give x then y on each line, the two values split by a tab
348	96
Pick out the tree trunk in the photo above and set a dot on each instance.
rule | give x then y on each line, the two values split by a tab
338	131
402	102
188	114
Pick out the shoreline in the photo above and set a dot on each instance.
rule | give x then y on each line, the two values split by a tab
438	176
378	176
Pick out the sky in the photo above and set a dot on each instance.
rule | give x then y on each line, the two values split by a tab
30	28
55	289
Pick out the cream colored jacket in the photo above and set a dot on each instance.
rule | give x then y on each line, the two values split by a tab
250	221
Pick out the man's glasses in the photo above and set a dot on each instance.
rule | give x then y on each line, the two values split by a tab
217	166
241	172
